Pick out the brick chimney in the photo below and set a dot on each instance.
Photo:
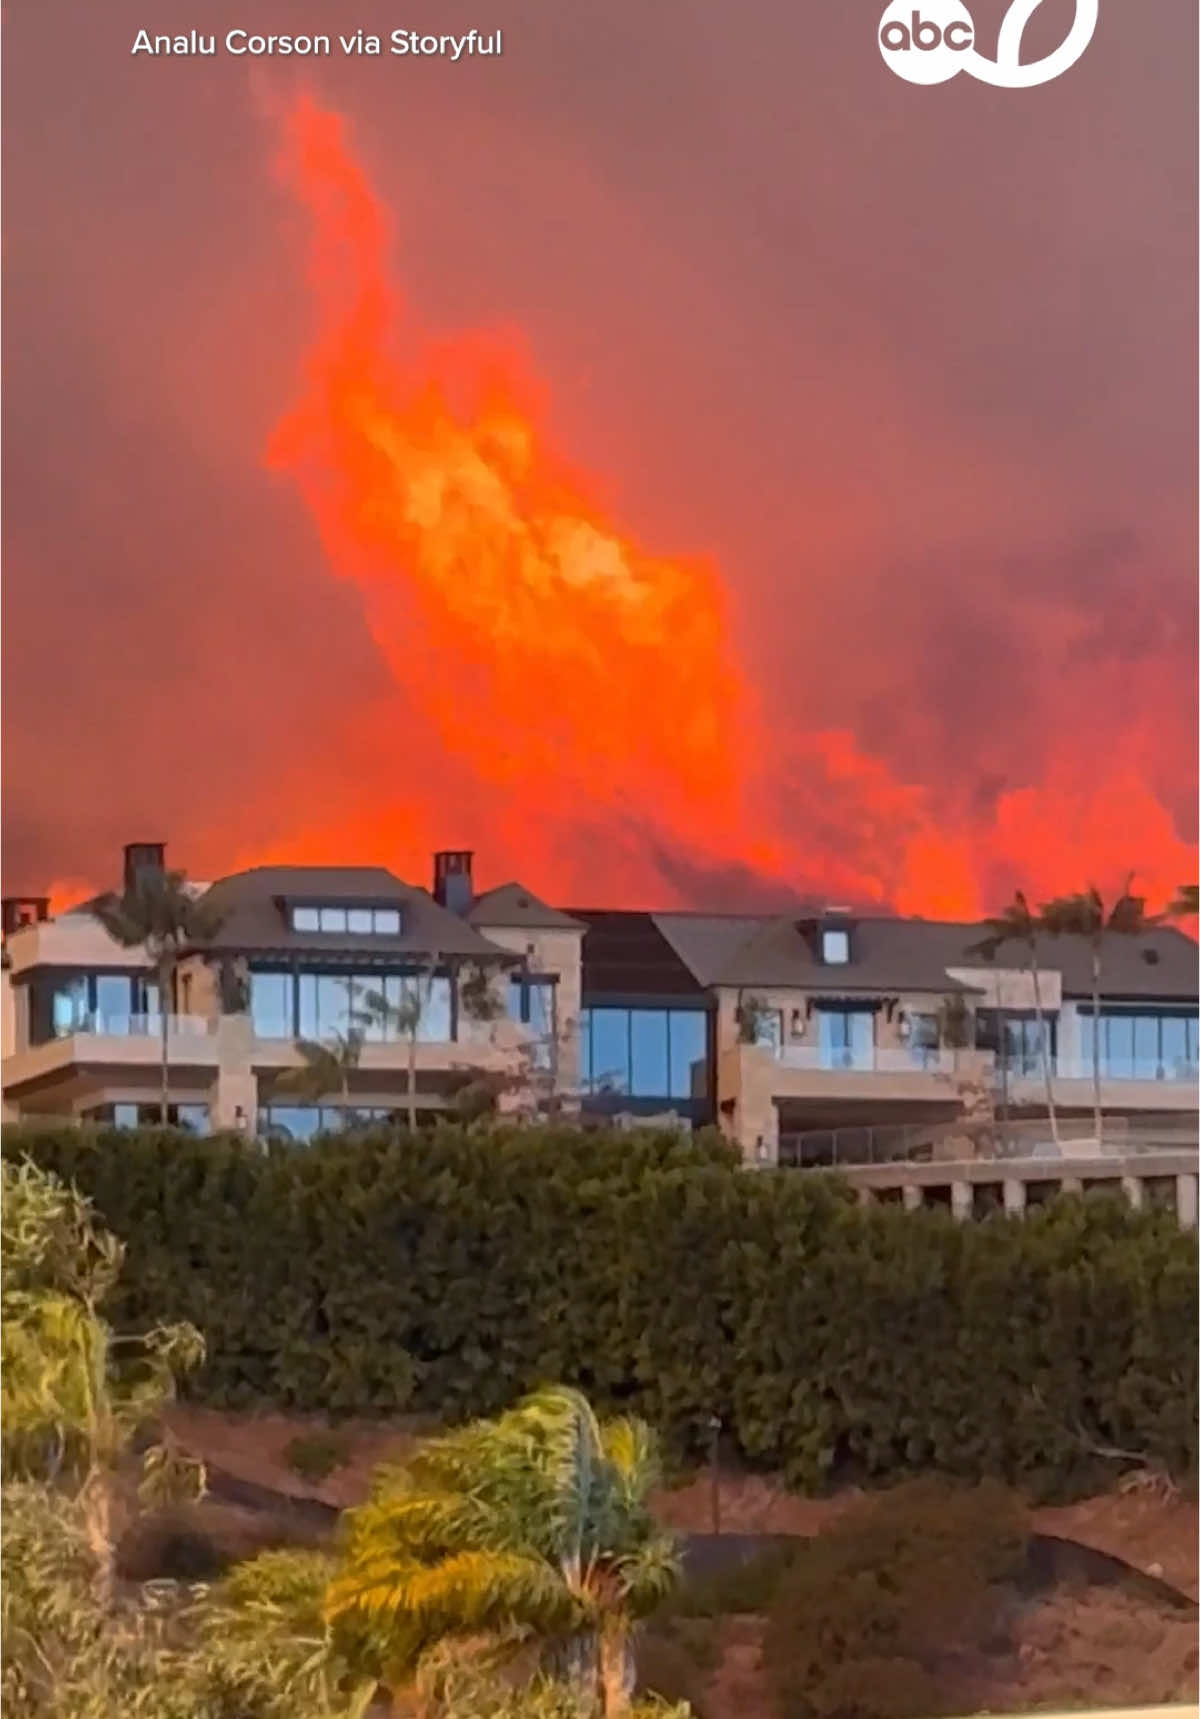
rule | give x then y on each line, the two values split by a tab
19	910
452	882
142	857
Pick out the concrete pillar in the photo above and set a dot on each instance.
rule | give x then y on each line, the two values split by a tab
1134	1190
866	1196
962	1200
1071	1185
914	1197
1185	1201
1014	1197
234	1100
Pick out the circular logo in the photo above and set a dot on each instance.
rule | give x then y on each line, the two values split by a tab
927	43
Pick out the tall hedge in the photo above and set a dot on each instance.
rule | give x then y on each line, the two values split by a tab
449	1273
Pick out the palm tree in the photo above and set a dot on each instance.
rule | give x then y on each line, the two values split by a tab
73	1394
404	1018
158	913
1086	915
1017	923
325	1068
530	1529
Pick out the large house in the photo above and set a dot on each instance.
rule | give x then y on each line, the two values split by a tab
774	1026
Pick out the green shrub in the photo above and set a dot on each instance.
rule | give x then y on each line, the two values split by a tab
869	1620
315	1456
447	1277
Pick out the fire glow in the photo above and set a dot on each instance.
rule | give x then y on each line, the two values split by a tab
570	703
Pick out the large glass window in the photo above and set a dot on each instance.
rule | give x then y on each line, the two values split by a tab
302	1122
1142	1046
272	1005
649	1062
644	1053
69	1007
531	1001
192	1117
356	921
114	1002
610	1050
846	1038
689	1052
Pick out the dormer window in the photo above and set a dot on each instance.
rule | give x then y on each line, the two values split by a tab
353	921
835	948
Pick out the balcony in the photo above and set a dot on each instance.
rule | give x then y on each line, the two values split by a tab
871	1059
117	1041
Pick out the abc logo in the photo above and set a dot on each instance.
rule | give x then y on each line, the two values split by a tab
926	45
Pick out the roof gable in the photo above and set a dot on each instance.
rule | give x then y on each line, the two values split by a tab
512	905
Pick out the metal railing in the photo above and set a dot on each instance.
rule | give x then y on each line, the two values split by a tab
926	1143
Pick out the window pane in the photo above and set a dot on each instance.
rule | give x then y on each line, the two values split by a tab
125	1115
1087	1040
293	1122
69	1006
305	919
649	1076
194	1117
1118	1030
307	1027
359	919
861	1029
114	1000
333	1005
835	947
1193	1042
435	1011
689	1041
610	1050
1174	1047
516	999
387	921
1145	1047
271	1005
333	919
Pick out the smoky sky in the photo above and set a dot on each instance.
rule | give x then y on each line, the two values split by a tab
915	366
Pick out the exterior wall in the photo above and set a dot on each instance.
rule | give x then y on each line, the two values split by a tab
556	953
75	940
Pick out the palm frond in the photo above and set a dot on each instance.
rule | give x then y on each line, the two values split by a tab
410	1606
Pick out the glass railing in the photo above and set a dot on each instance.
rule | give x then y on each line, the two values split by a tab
106	1024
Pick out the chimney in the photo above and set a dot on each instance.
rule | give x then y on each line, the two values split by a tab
19	910
452	884
142	857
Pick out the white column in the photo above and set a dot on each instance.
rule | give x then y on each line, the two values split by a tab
914	1197
1185	1201
1014	1197
1134	1190
962	1200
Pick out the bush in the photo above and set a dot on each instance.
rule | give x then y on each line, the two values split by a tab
448	1276
315	1456
870	1620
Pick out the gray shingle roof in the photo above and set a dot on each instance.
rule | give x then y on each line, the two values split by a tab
254	918
913	954
511	904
